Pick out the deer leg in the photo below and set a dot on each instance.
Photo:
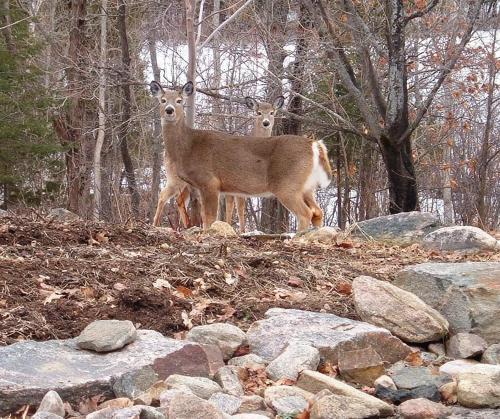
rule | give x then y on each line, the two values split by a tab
296	204
168	192
181	200
317	212
209	206
241	204
229	208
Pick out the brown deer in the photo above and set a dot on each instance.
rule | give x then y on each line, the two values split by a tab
288	166
263	127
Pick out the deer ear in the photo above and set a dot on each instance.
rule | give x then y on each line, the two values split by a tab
278	102
251	103
188	89
156	89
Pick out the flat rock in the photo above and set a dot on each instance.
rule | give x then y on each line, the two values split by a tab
314	382
248	361
225	402
251	403
459	366
189	406
430	392
30	369
412	377
200	386
401	312
454	238
479	389
295	358
52	403
107	335
63	215
465	345
328	333
287	400
338	406
229	378
423	409
404	228
467	294
224	335
361	366
133	383
492	355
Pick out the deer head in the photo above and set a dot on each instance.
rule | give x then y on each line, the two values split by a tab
265	113
171	101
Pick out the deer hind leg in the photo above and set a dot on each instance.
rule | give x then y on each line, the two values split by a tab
168	192
317	212
182	200
229	208
296	204
241	205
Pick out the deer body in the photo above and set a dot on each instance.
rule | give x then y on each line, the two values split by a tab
215	162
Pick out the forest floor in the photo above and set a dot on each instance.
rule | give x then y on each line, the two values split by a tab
55	278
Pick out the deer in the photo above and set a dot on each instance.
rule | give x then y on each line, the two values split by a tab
289	167
263	127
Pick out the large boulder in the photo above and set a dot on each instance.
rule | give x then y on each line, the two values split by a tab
30	369
328	333
401	312
467	294
465	238
404	228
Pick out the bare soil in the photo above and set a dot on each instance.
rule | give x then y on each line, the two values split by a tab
55	278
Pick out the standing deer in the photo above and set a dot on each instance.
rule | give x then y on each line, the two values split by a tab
263	127
287	166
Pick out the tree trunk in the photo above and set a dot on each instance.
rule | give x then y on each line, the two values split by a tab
367	202
126	110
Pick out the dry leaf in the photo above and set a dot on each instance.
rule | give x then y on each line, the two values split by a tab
285	382
328	368
295	282
344	287
88	292
101	238
242	350
228	312
186	292
52	297
415	359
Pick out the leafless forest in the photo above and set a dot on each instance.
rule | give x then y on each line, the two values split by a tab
403	93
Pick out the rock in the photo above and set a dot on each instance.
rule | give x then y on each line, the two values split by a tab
430	392
428	358
401	312
325	235
225	402
295	358
454	368
52	403
328	333
314	382
459	412
250	416
437	348
29	369
361	366
45	415
248	360
404	228
63	215
221	228
341	407
479	389
152	394
448	392
466	294
168	395
229	379
200	386
385	381
412	377
188	406
119	403
460	238
251	404
492	355
224	335
134	412
287	400
465	345
134	383
423	409
193	231
107	335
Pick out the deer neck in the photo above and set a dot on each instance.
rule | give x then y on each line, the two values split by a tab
177	140
260	131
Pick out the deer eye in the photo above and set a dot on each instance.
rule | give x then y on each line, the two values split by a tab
179	100
272	113
259	113
164	101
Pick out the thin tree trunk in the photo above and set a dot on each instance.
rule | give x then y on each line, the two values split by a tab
6	31
447	196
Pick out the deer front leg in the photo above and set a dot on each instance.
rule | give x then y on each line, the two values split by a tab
241	205
181	200
209	206
229	208
173	187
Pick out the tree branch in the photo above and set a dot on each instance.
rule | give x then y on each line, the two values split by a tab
424	11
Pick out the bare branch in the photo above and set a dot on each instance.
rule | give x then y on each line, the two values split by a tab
424	11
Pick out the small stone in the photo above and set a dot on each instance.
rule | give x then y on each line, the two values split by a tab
248	360
45	415
52	403
224	335
228	378
385	381
465	345
134	383
448	392
225	402
428	358
479	389
188	406
200	386
251	404
287	399
221	228
361	366
437	348
139	411
338	406
492	355
294	359
107	335
423	409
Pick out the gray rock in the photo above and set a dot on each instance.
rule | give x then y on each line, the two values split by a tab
188	406
404	228
200	386
437	348
412	377
248	361
430	392
225	402
52	403
295	358
460	238
479	389
423	409
341	407
459	366
459	412
168	395
251	403
465	345
250	416
134	383
466	294
107	335
401	312
326	332
134	412
63	215
492	355
224	335
229	379
29	369
287	400
45	415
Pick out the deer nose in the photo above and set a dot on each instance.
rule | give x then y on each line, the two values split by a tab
266	123
169	110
